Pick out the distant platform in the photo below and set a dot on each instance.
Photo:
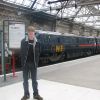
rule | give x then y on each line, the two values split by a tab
50	90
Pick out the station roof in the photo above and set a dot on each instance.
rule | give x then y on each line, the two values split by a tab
86	12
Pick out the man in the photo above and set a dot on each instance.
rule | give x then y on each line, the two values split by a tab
30	50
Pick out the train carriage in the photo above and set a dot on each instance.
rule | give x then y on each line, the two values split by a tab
98	44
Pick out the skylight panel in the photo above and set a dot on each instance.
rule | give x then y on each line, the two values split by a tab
26	3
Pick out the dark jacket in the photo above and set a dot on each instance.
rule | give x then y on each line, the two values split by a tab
24	52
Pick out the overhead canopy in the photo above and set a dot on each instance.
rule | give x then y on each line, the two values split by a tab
86	12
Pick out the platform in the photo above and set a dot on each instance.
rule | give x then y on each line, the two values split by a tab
72	80
51	91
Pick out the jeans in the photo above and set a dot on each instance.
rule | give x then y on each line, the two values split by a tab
30	69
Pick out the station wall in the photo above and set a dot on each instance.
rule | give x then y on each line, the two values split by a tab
47	25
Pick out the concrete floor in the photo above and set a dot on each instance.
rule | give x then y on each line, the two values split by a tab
50	90
83	72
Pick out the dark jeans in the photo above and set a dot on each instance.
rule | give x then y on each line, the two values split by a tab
29	69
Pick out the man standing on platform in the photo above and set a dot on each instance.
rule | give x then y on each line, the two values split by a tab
30	50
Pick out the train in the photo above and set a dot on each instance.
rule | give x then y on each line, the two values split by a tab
56	46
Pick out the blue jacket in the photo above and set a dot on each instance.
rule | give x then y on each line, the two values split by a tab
24	52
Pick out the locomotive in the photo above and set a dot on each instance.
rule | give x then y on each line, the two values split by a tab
55	46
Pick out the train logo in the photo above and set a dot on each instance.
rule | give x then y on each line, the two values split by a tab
59	48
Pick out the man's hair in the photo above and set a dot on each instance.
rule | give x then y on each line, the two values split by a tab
31	28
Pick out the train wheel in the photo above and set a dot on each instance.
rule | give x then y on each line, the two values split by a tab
89	53
57	57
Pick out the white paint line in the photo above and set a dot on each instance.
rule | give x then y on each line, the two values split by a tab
11	74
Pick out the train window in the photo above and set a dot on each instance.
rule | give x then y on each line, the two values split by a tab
61	39
43	38
68	40
94	40
98	40
47	39
91	41
74	40
58	40
0	42
83	40
53	39
40	38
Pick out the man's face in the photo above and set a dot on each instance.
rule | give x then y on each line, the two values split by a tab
31	35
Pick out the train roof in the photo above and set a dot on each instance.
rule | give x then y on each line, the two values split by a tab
88	36
48	32
62	34
98	37
54	33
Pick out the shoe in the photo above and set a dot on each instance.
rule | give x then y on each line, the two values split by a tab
25	97
38	97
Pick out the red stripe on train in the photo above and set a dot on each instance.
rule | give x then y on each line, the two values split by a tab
98	44
87	45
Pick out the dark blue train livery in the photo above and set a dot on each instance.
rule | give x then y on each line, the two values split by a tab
55	46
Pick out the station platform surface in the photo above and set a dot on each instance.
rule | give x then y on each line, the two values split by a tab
71	80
